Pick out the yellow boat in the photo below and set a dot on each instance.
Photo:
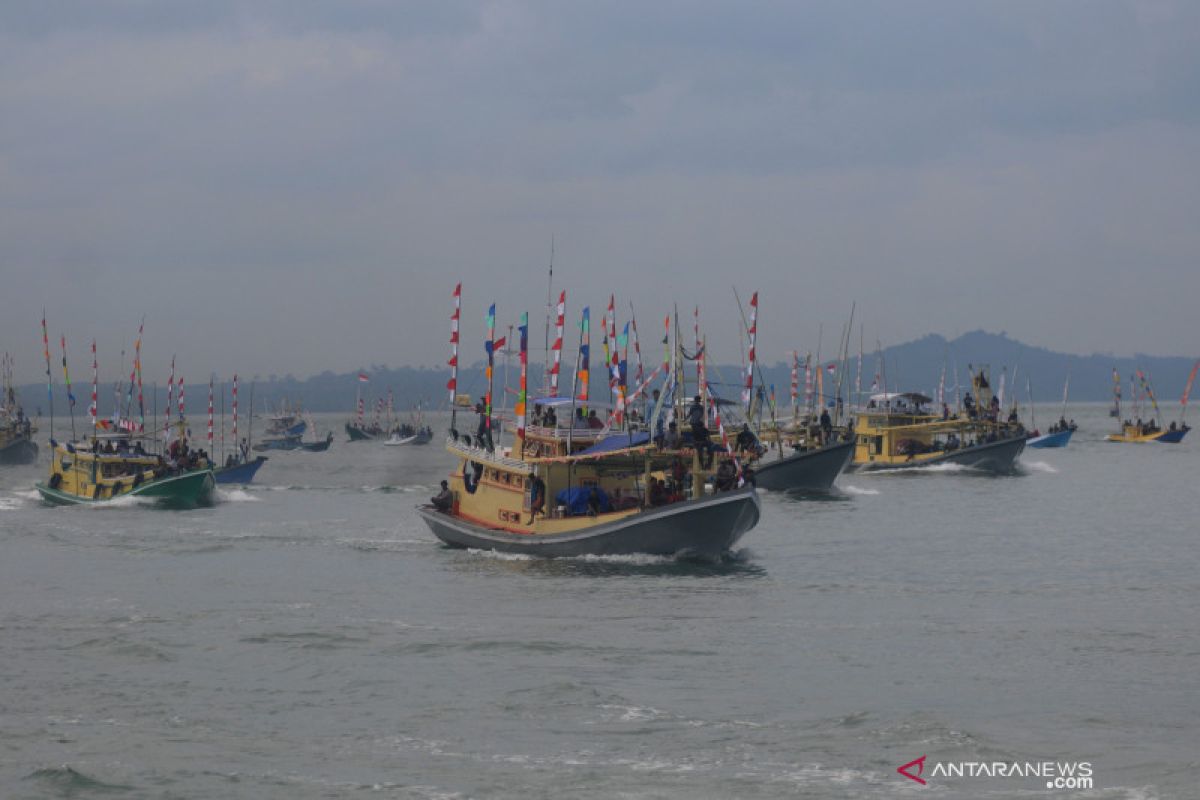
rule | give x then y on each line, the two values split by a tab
1136	433
898	431
86	473
568	489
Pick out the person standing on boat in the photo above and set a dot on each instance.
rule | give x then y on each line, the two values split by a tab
826	426
537	498
695	418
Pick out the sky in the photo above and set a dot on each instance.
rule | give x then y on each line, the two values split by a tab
292	186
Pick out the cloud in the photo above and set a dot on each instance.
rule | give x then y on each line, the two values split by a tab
948	165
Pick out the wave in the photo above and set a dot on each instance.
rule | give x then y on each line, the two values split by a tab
68	782
848	489
1038	466
10	505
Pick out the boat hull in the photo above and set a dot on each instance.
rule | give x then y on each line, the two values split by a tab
709	526
21	451
239	473
357	434
1173	437
316	447
996	457
812	471
290	443
1059	439
182	491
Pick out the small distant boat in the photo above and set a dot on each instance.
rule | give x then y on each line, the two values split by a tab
1058	438
16	430
1139	431
361	432
239	473
1060	432
408	436
278	443
319	446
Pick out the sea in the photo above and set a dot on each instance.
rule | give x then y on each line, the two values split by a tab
308	637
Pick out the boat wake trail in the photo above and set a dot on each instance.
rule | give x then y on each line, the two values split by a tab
10	505
236	496
1038	466
858	490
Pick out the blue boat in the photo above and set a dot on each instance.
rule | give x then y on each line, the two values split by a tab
1173	436
1056	439
239	473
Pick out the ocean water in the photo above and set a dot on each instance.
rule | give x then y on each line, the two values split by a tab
307	637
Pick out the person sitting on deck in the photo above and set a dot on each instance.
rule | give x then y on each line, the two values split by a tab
726	477
444	499
593	502
1012	417
671	441
1172	425
549	419
593	421
658	492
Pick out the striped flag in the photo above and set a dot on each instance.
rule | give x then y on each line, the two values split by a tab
210	413
558	342
452	384
95	386
752	334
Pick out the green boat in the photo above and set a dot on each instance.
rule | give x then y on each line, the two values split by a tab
85	475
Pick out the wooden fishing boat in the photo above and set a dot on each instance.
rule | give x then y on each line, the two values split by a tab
277	443
239	472
16	430
804	469
84	474
361	432
567	486
895	431
319	446
1056	438
16	443
1139	432
494	496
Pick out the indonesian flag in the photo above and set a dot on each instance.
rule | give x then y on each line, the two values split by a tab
831	367
363	377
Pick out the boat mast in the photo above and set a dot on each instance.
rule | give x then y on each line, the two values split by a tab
549	299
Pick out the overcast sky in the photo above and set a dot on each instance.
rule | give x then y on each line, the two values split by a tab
296	186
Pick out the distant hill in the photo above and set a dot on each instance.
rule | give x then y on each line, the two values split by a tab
917	366
913	366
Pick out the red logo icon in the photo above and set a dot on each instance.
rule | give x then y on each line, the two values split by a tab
919	764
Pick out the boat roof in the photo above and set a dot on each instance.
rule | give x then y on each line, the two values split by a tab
914	397
616	441
559	402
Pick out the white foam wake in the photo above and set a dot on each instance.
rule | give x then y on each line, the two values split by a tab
858	490
235	496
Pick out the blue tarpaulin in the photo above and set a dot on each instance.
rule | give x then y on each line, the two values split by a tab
576	500
618	441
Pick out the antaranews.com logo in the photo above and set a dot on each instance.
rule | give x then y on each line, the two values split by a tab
1054	774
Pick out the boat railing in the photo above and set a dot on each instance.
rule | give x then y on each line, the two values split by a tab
562	434
481	454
